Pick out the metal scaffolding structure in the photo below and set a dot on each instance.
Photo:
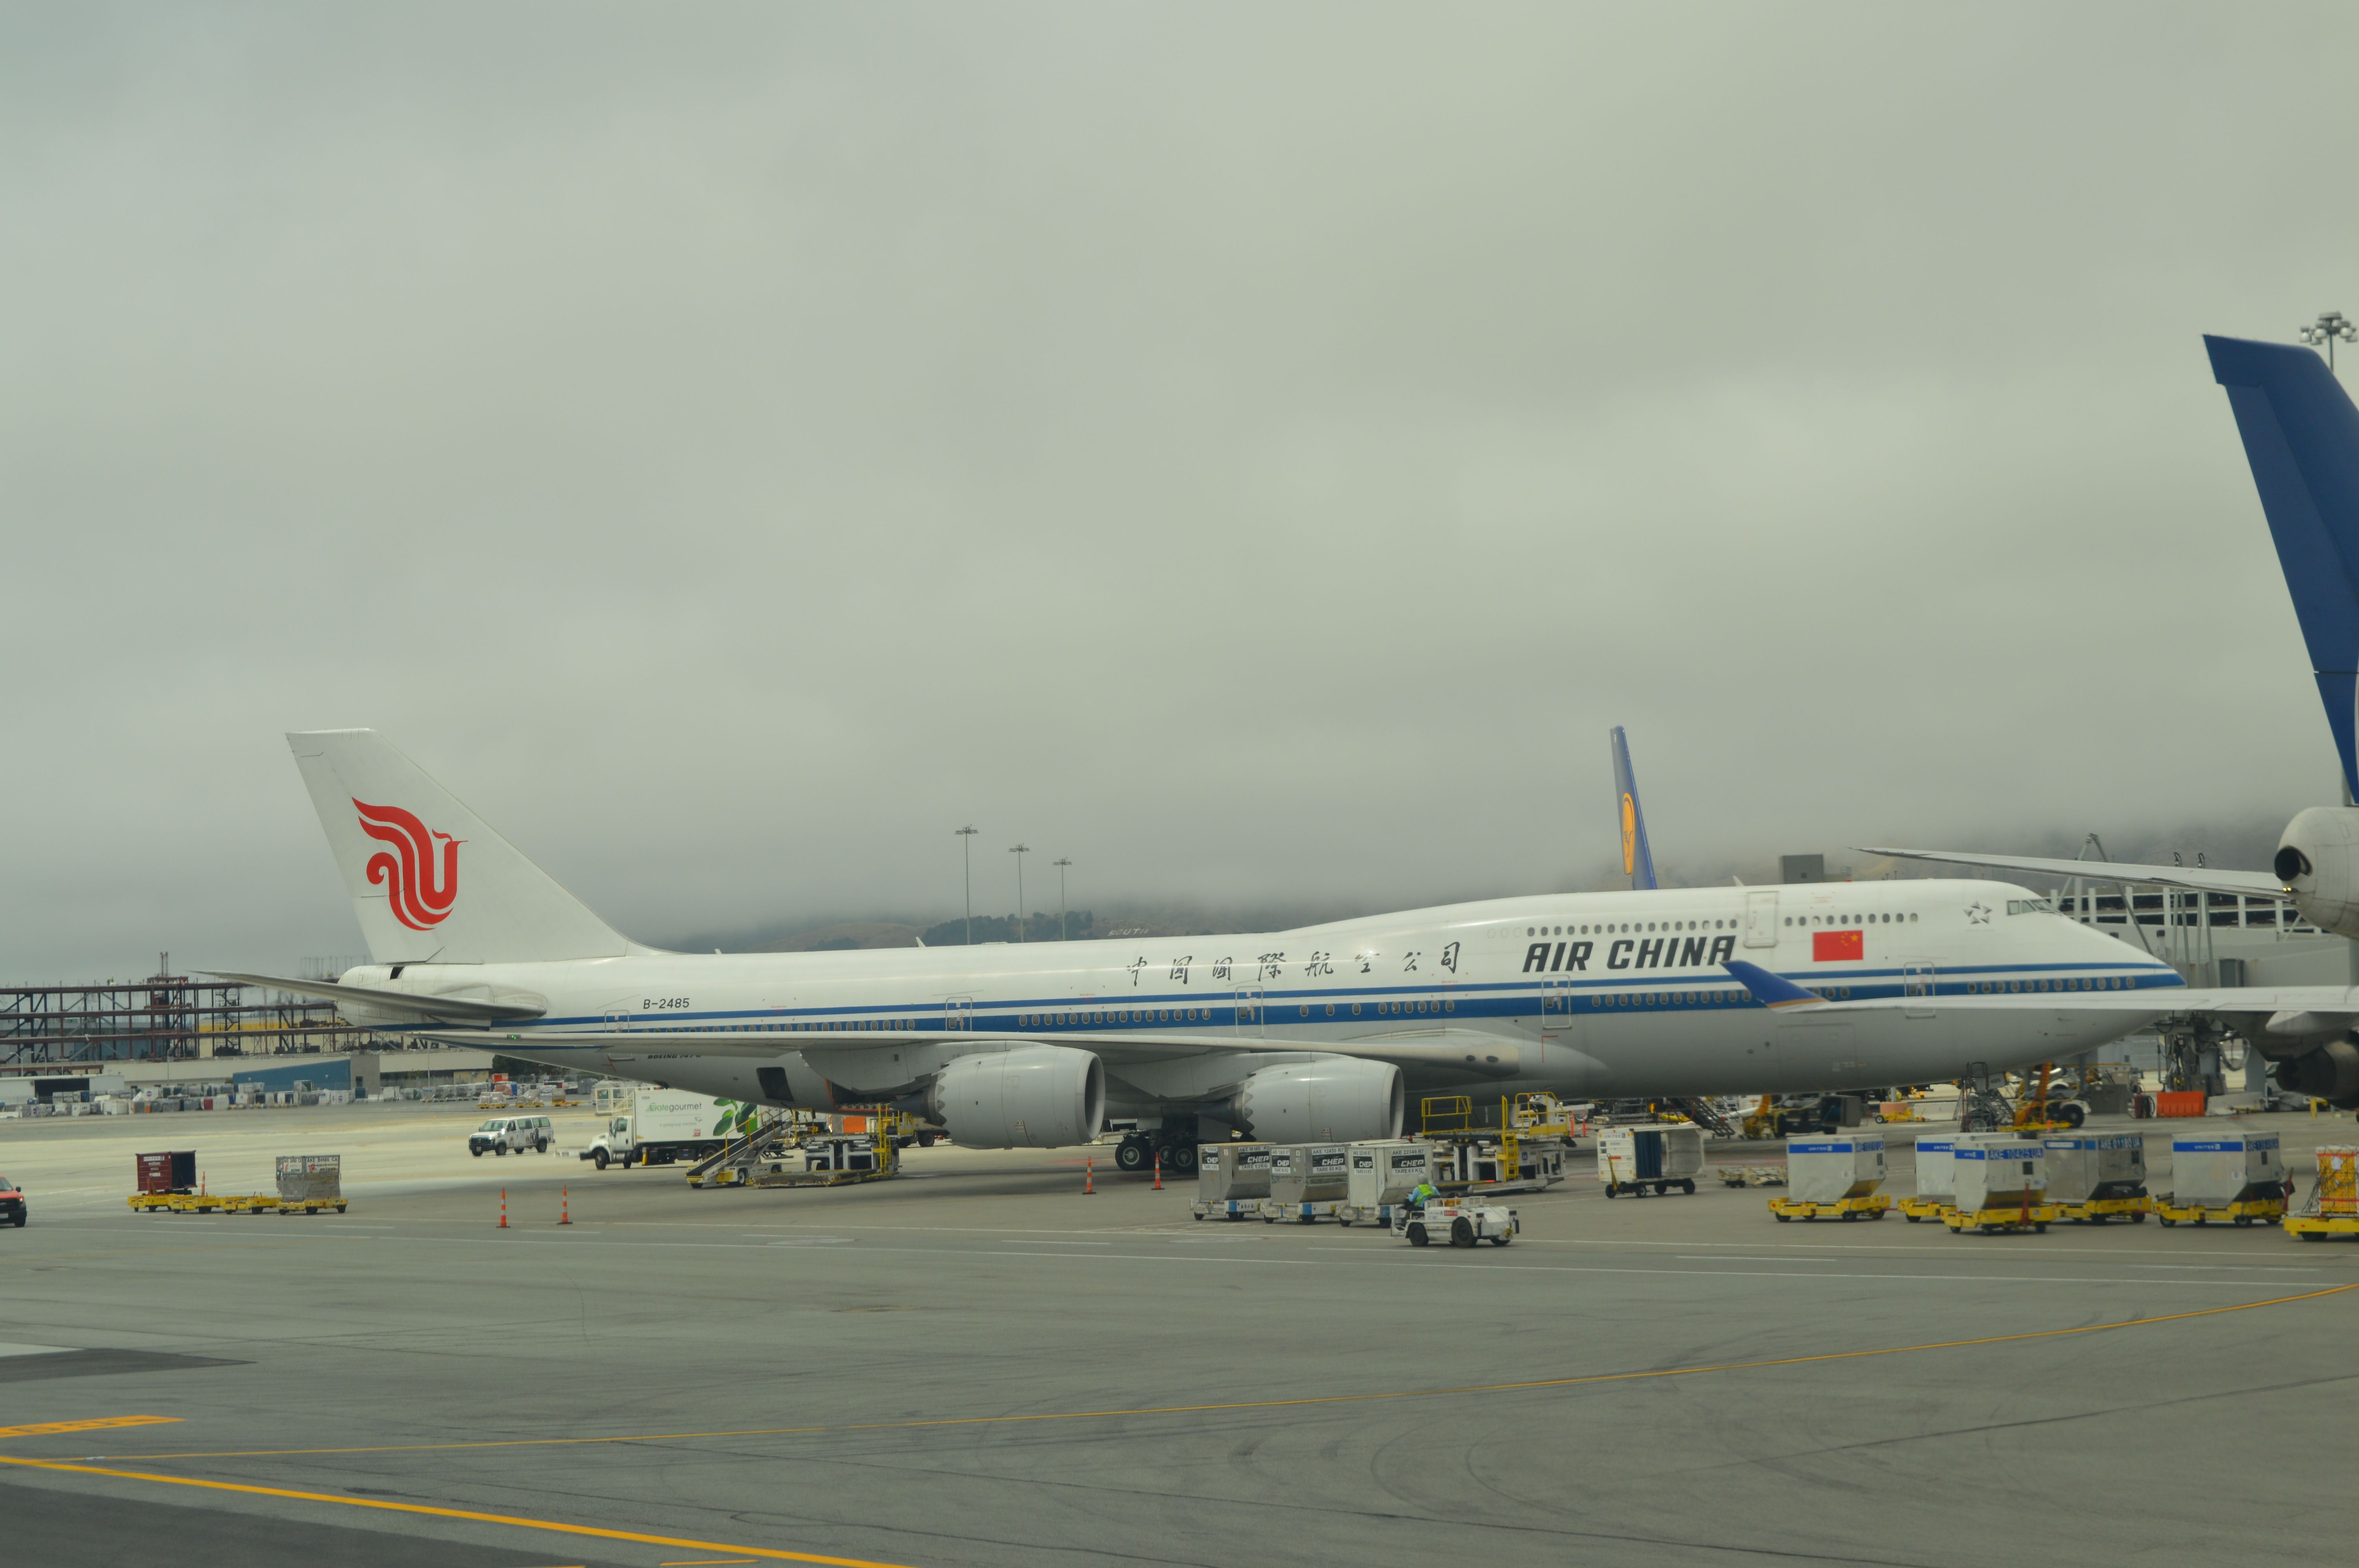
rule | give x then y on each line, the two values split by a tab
165	1017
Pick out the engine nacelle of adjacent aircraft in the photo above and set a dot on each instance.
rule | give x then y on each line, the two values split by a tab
1035	1097
2319	859
2330	1072
1337	1101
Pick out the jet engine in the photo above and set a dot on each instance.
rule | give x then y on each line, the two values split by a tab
2330	1072
2319	859
1339	1100
1035	1097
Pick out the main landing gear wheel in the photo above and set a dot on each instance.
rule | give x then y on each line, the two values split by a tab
1132	1154
1181	1159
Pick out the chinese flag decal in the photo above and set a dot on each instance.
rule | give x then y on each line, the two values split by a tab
1834	947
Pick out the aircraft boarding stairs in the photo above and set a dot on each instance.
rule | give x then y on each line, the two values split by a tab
734	1164
1706	1115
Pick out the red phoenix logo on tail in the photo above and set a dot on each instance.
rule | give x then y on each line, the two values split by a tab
417	899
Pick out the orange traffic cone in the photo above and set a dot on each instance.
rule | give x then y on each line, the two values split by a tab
565	1204
503	1208
1158	1170
1089	1177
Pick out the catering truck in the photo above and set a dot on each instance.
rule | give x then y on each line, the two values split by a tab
661	1126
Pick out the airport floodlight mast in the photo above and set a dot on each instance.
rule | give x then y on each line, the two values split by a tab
2329	329
1019	851
1064	910
966	849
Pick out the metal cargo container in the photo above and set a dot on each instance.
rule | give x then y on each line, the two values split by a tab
2093	1167
1933	1169
173	1171
1386	1172
1830	1167
310	1178
1997	1171
1309	1172
1230	1172
1629	1158
2222	1168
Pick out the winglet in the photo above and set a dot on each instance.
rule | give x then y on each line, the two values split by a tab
1772	990
2301	437
1637	860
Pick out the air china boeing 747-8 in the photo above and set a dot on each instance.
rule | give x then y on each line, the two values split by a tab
1317	1032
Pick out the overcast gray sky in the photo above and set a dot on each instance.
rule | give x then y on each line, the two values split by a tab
1255	451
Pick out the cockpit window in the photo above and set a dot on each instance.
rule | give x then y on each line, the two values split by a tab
2032	906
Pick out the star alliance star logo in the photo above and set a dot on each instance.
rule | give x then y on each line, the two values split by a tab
1978	913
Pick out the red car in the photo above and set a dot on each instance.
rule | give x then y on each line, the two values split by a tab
12	1203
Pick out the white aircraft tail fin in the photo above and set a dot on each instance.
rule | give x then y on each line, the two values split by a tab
429	878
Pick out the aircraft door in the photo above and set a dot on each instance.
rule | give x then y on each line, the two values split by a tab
1918	986
1249	1011
1761	918
958	1012
1555	1010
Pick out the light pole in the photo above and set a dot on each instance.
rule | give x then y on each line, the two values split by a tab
1064	914
1019	851
2329	329
966	850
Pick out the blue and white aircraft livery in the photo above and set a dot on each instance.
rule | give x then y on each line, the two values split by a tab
1314	1034
2301	432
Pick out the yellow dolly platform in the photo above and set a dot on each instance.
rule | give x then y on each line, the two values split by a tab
228	1203
1916	1209
2318	1226
2099	1211
1996	1221
1872	1205
2268	1211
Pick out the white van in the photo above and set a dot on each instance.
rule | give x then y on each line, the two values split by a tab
502	1133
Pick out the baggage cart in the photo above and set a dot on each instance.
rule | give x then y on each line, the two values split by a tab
2223	1178
1635	1159
1381	1176
1231	1179
2333	1207
2093	1178
1935	1187
1867	1206
1831	1168
1306	1181
1999	1183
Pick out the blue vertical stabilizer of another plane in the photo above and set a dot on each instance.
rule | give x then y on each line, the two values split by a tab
2301	435
1637	860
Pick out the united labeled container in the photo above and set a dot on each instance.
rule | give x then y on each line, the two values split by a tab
1824	1167
1309	1173
1997	1171
2095	1167
1649	1156
1232	1172
2215	1170
1934	1174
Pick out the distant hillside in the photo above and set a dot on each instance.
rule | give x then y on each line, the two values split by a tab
843	933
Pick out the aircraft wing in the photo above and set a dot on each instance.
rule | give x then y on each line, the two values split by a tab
430	1008
1458	1052
2195	878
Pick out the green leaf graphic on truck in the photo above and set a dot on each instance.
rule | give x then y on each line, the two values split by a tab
738	1118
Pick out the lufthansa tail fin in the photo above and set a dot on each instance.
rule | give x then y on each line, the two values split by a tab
1637	860
2301	437
429	879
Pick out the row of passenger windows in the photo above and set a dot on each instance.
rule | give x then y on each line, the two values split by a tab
1114	1015
2099	983
1847	919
